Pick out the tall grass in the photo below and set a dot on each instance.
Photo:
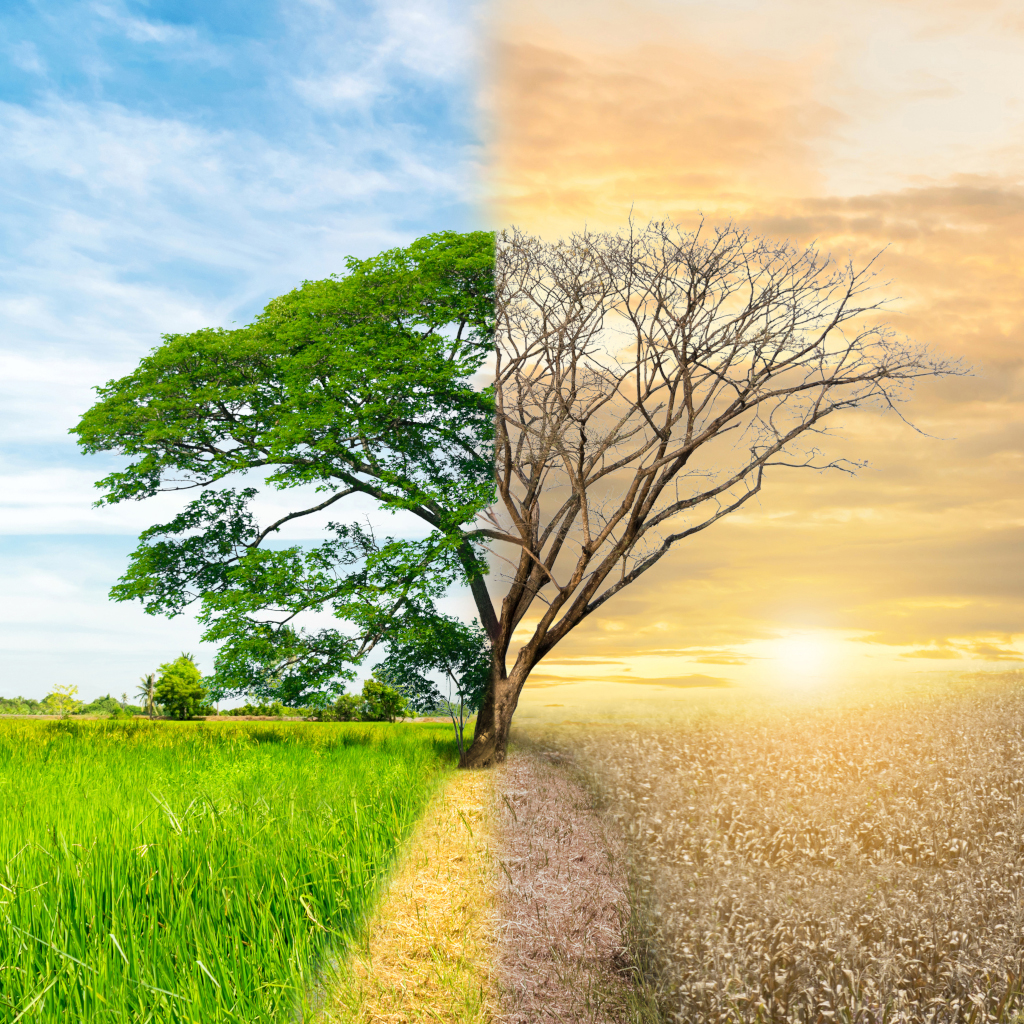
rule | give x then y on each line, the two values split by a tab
194	872
857	861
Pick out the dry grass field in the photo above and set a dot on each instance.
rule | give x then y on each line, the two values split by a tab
429	949
859	859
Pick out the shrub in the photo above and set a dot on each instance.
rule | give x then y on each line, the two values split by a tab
276	709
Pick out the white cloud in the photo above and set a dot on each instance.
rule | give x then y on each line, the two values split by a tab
123	158
436	39
183	41
25	56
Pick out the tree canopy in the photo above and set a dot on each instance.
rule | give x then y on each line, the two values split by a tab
358	384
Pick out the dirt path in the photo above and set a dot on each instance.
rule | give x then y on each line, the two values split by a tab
505	908
562	890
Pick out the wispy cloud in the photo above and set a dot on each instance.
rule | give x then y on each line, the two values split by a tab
25	56
180	41
131	225
163	173
434	40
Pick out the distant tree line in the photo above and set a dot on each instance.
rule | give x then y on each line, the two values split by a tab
397	689
21	706
57	703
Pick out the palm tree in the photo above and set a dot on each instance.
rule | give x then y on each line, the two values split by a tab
147	692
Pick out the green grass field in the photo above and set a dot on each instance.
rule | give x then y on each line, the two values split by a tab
194	872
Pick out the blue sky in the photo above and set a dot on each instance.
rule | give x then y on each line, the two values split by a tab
167	166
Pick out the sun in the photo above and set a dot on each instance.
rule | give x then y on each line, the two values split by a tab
802	658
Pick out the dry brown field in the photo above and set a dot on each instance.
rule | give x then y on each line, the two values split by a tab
858	858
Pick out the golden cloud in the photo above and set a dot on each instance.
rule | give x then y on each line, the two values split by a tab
669	114
642	130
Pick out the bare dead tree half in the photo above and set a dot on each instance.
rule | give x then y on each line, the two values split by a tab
646	384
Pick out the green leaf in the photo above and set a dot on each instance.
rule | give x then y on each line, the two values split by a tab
359	384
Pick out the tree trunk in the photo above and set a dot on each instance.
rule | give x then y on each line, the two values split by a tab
494	719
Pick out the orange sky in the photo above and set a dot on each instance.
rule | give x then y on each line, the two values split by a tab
896	124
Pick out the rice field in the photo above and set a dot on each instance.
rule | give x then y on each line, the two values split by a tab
857	860
195	873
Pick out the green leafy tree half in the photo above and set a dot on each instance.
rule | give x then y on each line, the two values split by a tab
180	688
357	386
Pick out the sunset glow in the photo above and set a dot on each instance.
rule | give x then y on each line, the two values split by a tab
890	128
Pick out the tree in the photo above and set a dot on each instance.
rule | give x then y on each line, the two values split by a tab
380	702
460	653
180	687
344	709
359	386
647	384
147	693
63	701
101	706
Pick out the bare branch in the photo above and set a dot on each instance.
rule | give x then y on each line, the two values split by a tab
644	377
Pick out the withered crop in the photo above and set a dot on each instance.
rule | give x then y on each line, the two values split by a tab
857	861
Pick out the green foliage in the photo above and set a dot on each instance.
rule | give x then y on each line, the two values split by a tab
176	872
180	687
100	706
346	708
444	646
421	692
63	701
276	709
380	702
109	706
359	384
22	706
